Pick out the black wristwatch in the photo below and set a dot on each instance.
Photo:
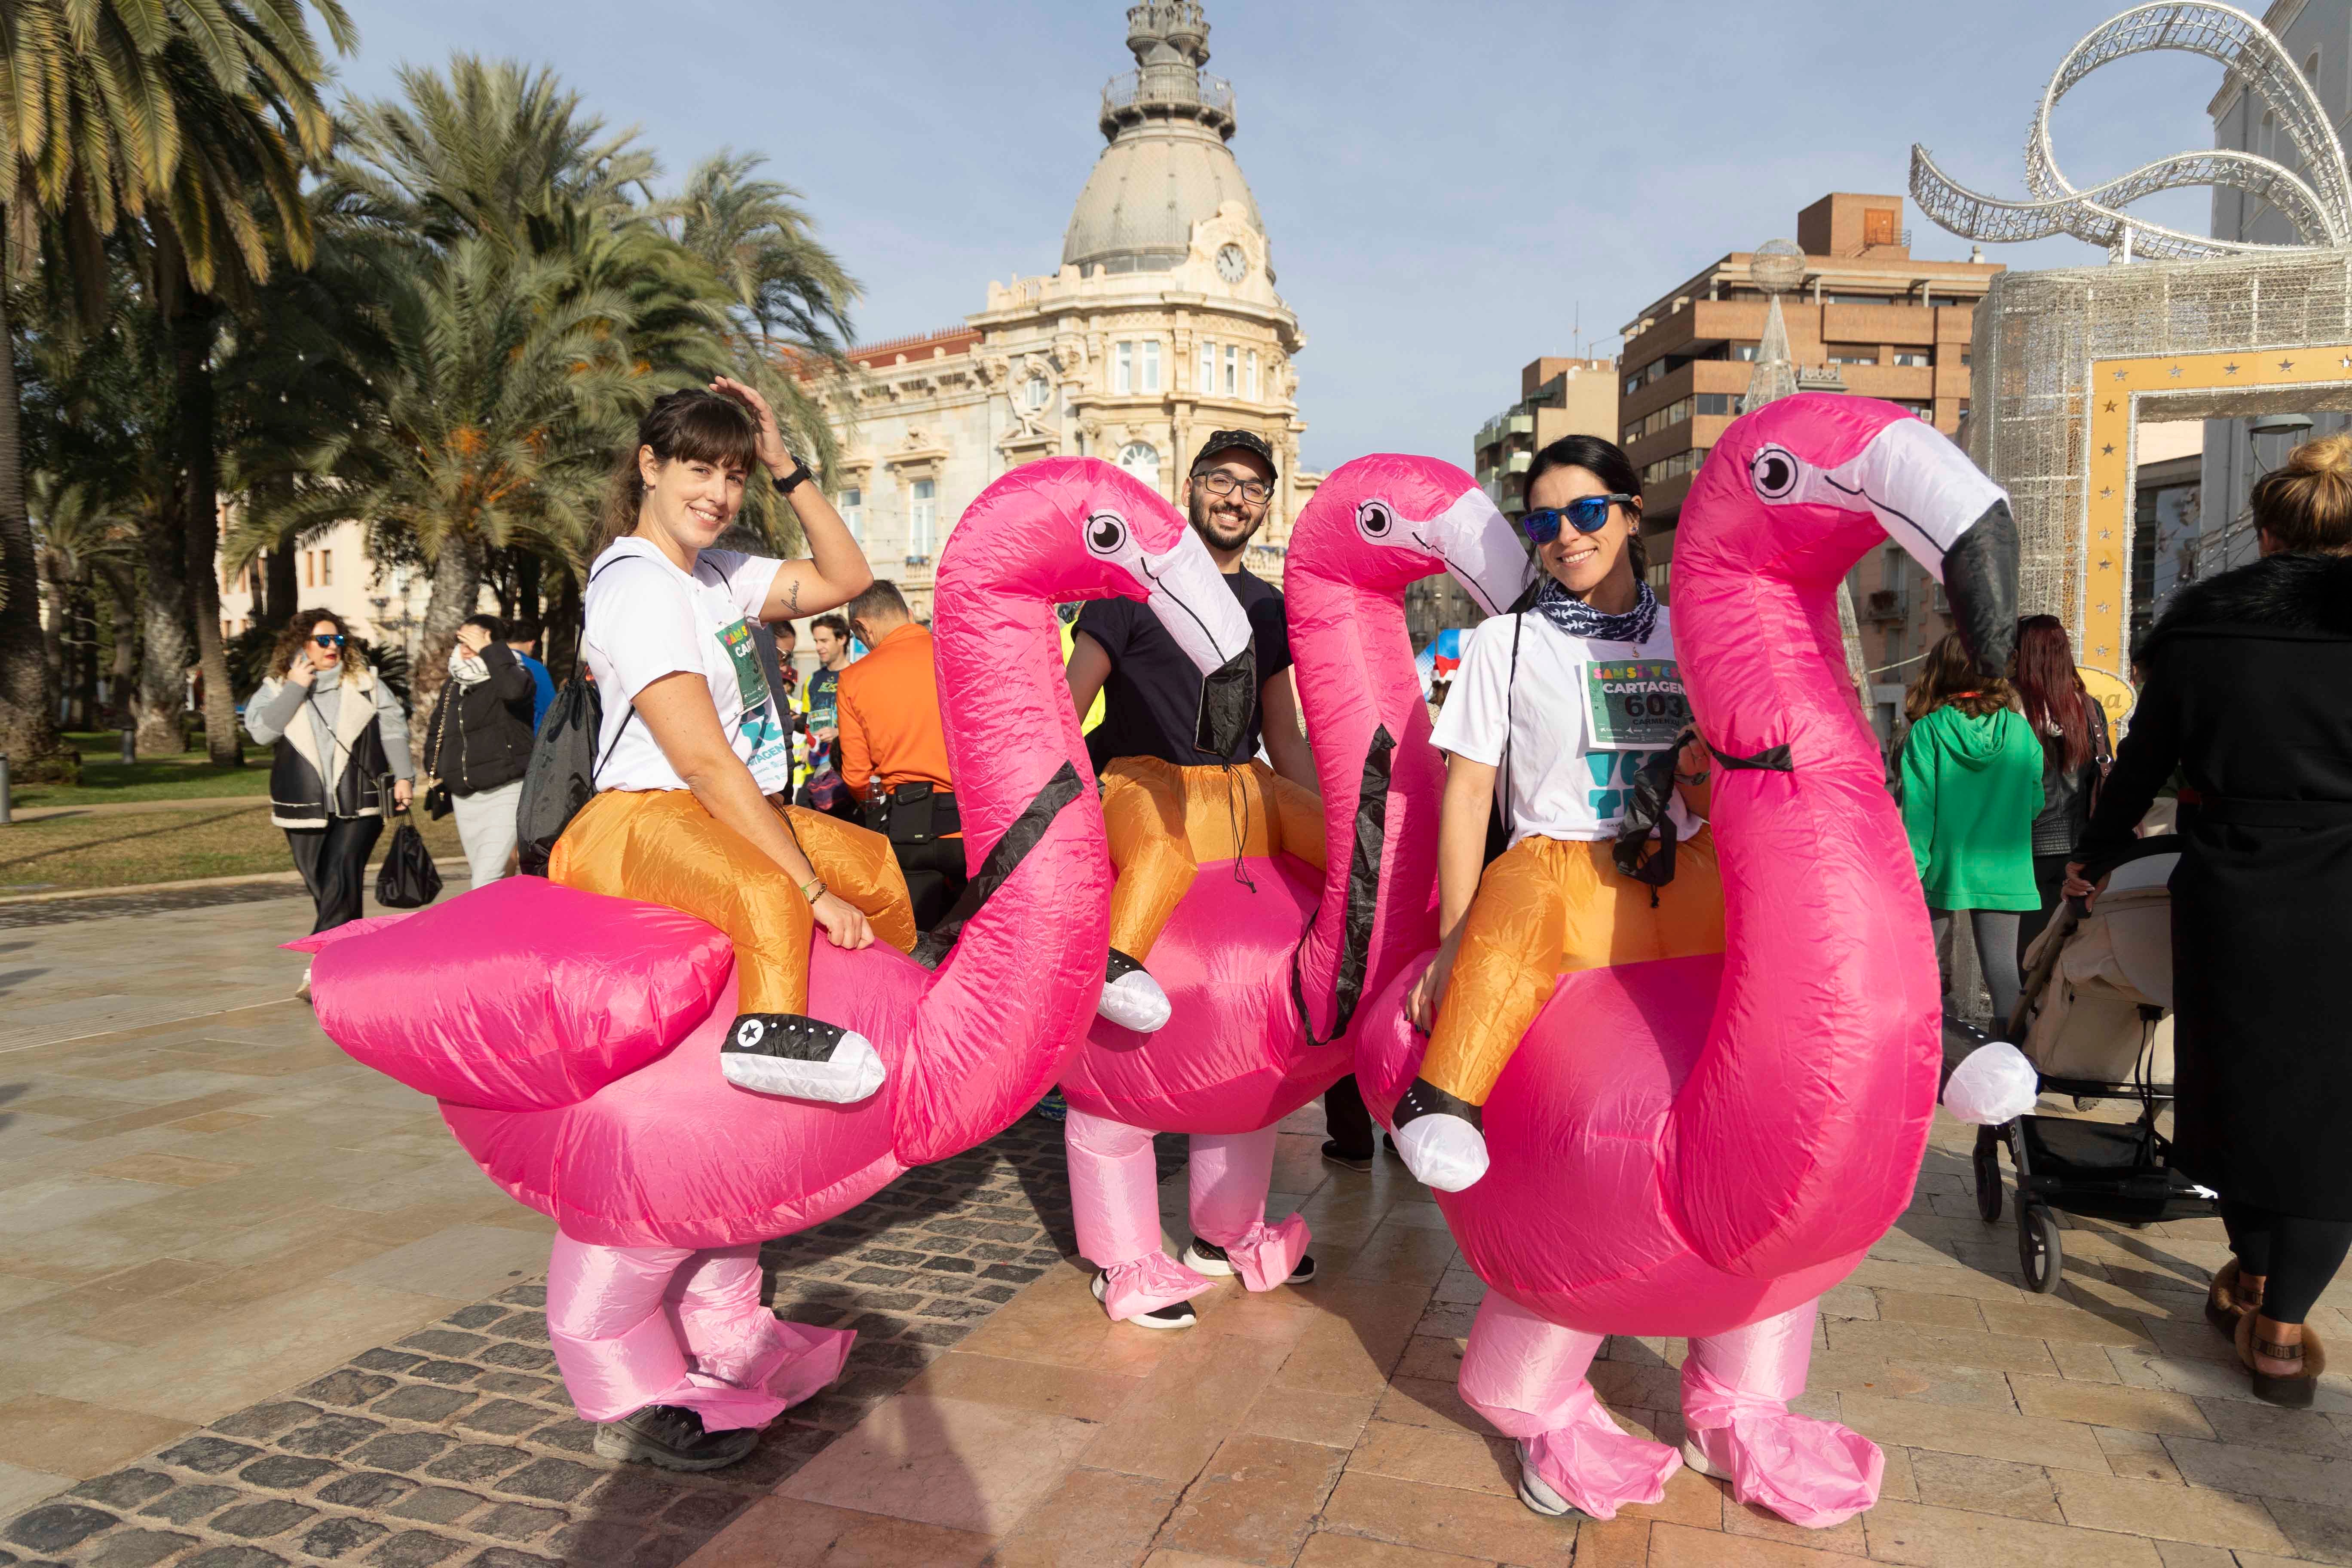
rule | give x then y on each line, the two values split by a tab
799	475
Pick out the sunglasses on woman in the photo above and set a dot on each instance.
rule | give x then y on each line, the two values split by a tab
329	640
1586	514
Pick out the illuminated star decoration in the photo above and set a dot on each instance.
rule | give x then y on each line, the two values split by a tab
2229	369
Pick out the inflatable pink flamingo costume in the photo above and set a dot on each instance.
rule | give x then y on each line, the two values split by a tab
573	1040
1702	1146
1265	976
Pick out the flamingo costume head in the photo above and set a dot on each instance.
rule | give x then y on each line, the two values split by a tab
1240	958
573	1040
1687	1146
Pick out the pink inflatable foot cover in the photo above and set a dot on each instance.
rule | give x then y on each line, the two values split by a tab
1265	1254
1810	1472
1596	1464
1148	1283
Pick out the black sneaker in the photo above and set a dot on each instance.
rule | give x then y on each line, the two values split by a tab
1208	1257
800	1057
1344	1159
671	1437
1175	1315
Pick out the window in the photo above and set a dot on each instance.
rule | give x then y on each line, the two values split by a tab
1632	383
1675	466
852	508
1850	357
1746	352
1715	404
326	569
923	517
1912	357
1964	356
1034	392
1249	374
1141	458
1122	379
1207	383
309	568
1233	371
1152	365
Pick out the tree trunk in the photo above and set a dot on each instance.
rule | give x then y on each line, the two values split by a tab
457	588
164	633
193	329
559	650
122	612
28	711
528	566
279	589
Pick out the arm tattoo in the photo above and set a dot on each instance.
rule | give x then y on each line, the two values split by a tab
792	596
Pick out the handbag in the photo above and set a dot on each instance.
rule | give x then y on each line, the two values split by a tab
437	798
408	880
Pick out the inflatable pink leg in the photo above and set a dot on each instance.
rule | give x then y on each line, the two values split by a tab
633	1326
1735	1393
1115	1201
1230	1174
1525	1374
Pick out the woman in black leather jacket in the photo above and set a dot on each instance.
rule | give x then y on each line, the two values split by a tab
478	743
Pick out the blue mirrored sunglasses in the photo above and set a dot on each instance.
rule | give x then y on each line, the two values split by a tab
1586	514
328	641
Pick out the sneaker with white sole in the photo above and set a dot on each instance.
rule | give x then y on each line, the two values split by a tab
670	1437
800	1058
1538	1495
1175	1315
1130	997
1208	1257
1438	1137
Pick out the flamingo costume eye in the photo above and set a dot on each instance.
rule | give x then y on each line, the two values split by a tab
1105	533
1775	471
1375	521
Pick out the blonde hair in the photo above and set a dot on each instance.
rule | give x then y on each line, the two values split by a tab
2306	503
1949	677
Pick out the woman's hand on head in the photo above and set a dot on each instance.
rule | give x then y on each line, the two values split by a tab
845	925
773	455
473	639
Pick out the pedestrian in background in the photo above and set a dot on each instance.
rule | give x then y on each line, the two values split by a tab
478	743
522	636
2249	694
2076	754
894	751
340	741
1970	776
820	714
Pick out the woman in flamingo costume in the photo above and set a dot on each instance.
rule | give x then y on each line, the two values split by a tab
1265	969
1702	1146
574	1039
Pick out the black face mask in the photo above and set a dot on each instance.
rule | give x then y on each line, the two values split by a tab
1228	703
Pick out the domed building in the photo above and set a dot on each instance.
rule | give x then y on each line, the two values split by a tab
1161	325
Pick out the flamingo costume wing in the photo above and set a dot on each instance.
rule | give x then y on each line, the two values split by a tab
574	1039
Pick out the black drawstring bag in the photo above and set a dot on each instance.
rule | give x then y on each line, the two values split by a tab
408	880
562	775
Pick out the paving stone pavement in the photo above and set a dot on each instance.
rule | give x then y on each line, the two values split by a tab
457	1444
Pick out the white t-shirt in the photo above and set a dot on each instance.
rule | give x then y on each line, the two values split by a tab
648	619
1564	781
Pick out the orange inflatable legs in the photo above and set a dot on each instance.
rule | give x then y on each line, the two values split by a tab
1163	821
1547	908
662	846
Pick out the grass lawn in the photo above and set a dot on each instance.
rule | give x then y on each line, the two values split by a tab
190	775
69	852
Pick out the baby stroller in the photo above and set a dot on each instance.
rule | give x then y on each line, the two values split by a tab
2095	1018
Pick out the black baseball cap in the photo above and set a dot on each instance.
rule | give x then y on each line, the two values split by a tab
1248	441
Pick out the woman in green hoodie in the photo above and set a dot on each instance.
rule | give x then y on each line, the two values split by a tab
1971	779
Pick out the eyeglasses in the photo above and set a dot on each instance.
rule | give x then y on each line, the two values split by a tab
1257	492
329	640
1586	514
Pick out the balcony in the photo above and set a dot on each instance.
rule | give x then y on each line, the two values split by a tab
1518	425
1519	462
1159	93
1887	605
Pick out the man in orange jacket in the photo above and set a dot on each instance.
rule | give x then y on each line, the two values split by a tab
894	753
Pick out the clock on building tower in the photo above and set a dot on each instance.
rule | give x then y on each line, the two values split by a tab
1232	264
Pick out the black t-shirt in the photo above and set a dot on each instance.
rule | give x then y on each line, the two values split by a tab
1151	701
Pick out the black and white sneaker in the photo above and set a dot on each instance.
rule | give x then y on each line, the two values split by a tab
1175	1315
1345	1158
671	1437
1130	997
1208	1257
801	1059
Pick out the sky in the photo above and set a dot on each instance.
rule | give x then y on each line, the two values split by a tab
1451	187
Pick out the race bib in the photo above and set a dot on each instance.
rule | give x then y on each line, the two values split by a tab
763	740
1634	704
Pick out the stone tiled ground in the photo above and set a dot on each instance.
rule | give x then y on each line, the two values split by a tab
455	1443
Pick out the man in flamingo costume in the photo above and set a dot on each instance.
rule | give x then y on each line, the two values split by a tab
1701	1146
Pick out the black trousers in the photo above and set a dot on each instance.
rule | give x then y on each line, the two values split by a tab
2296	1258
935	878
333	863
1347	1120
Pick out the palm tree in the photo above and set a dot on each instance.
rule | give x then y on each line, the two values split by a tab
185	118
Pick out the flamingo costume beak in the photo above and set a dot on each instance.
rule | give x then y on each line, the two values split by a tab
1192	599
1941	509
1482	550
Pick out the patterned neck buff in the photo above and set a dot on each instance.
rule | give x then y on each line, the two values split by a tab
1579	619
